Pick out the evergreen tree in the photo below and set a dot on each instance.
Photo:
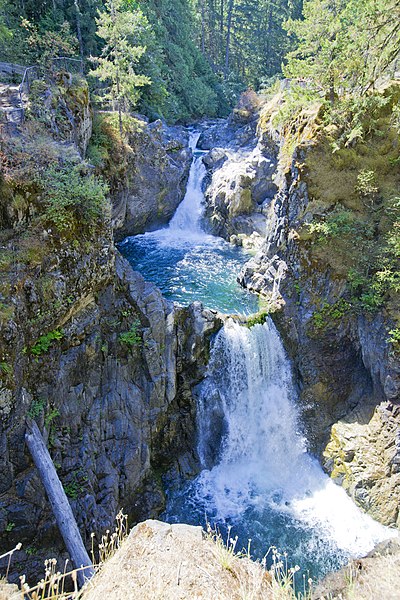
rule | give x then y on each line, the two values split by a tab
192	89
119	29
344	45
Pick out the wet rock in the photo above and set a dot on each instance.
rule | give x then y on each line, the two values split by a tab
344	365
115	413
239	182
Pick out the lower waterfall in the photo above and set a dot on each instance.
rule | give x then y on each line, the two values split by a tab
257	476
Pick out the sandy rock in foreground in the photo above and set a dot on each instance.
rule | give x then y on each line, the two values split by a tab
176	562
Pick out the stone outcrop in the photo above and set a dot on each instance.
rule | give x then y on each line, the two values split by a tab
64	106
93	353
365	578
154	179
116	408
177	562
239	182
368	433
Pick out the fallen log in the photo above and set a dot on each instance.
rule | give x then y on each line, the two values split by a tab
59	502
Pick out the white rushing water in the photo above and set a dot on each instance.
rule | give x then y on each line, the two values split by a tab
247	416
257	475
186	219
185	226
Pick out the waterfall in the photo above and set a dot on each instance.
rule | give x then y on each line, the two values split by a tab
256	468
186	219
186	263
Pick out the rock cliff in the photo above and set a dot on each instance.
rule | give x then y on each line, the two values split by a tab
238	185
320	226
87	348
147	172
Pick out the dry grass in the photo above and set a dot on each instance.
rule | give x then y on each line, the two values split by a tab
158	561
180	562
63	585
373	578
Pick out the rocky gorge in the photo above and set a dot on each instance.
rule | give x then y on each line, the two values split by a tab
107	366
348	371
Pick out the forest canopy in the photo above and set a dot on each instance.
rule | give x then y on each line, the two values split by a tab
197	56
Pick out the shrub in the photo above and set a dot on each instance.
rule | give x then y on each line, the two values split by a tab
131	337
257	319
44	342
366	183
394	338
330	313
73	196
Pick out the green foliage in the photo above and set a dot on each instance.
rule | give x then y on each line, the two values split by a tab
395	119
119	26
394	338
329	313
184	86
73	196
76	486
49	418
356	117
131	337
257	319
44	342
47	41
37	408
341	222
10	526
366	183
5	368
344	45
244	39
296	99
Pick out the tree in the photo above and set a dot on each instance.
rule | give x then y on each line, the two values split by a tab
344	45
45	44
119	29
319	54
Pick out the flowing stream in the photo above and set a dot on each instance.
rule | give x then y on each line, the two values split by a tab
186	263
256	474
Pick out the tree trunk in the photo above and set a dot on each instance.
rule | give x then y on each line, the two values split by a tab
221	31
59	502
228	37
78	28
331	87
203	27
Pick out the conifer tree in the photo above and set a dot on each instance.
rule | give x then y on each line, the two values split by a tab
345	45
119	29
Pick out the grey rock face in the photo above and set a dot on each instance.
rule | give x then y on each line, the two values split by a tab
240	180
156	179
349	380
116	410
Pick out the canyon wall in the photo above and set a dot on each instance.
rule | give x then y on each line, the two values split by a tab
93	353
318	228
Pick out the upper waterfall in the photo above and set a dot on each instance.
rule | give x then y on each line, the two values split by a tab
186	219
187	263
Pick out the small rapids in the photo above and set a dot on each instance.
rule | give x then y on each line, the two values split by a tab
257	476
